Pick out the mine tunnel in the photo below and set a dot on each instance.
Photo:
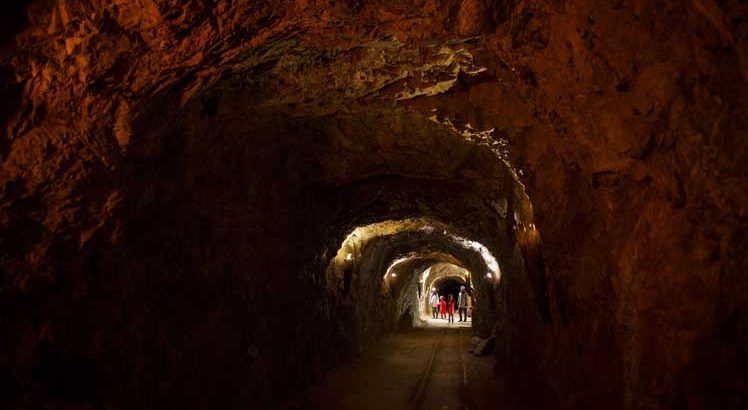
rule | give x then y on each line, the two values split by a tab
235	204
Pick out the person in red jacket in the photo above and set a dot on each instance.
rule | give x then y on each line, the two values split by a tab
451	308
442	307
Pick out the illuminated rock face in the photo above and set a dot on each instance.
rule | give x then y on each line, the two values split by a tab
175	178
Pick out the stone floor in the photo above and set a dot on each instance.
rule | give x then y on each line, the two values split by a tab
419	369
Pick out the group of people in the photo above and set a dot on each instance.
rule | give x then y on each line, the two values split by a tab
445	308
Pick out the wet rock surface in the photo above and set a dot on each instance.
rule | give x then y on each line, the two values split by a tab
176	176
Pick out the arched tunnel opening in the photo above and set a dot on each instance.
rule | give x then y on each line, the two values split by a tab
235	204
394	263
452	289
449	286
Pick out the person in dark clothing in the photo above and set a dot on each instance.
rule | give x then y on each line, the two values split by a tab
462	304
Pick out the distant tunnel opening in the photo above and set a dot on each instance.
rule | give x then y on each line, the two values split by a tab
449	287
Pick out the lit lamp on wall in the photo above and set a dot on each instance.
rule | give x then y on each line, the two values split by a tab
347	272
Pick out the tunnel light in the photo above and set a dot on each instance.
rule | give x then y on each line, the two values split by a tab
388	272
489	276
360	235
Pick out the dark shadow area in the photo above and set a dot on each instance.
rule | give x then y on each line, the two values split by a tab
449	286
13	19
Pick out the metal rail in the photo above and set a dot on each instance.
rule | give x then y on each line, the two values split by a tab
417	399
464	390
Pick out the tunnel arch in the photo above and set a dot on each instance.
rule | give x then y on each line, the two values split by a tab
420	234
418	278
305	184
443	270
244	201
409	246
449	285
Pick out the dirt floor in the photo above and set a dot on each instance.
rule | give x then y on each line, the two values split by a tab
419	369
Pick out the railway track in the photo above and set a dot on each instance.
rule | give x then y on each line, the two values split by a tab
445	394
411	371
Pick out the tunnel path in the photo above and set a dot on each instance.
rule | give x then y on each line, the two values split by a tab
442	323
425	369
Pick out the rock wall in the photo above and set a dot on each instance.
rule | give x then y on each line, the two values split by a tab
631	139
